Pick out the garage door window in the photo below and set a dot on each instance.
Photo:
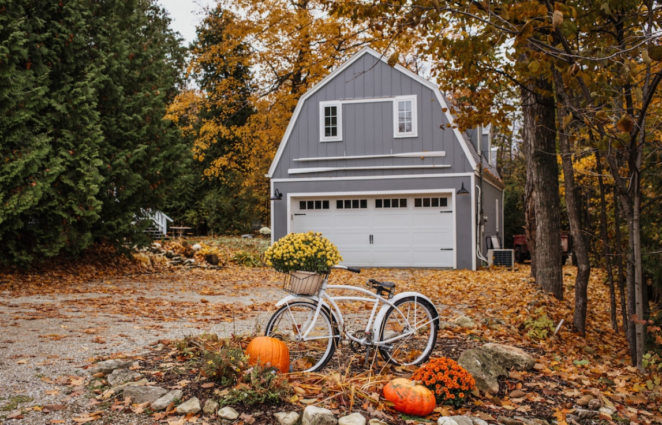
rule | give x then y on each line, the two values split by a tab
430	202
391	203
351	204
314	205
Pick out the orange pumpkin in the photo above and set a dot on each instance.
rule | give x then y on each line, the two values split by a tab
269	352
409	397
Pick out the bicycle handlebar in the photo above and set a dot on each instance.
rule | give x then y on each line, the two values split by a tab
350	269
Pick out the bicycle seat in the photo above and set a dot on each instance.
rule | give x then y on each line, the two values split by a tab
383	285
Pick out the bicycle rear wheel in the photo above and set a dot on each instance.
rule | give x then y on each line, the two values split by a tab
290	323
409	331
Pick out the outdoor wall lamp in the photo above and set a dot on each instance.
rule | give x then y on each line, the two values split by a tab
277	196
462	191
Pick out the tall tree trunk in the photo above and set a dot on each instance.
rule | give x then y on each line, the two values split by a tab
605	241
529	197
574	215
621	272
540	126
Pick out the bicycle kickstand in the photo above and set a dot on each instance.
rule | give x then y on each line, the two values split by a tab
367	357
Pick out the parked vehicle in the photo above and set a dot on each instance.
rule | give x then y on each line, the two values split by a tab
522	252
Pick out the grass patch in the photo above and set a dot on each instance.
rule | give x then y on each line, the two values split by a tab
13	402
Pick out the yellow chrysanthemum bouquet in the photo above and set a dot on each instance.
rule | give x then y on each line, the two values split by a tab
303	252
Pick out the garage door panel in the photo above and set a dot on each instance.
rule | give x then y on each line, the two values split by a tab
401	237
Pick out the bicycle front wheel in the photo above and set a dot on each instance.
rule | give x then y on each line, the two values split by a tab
308	352
409	331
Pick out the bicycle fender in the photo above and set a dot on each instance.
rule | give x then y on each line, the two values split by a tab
382	311
289	298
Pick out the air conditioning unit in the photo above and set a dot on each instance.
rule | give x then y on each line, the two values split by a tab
501	257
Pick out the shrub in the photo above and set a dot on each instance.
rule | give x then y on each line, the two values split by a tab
265	231
303	251
449	381
259	385
538	327
246	259
224	366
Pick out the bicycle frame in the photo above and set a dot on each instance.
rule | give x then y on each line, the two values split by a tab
331	301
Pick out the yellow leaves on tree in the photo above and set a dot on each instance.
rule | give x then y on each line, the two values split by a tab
288	46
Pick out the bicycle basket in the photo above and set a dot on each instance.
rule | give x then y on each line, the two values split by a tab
303	283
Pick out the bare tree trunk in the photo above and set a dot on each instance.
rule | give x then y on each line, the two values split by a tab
530	204
574	215
621	273
540	128
605	241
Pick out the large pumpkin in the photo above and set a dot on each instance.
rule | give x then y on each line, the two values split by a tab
410	398
269	352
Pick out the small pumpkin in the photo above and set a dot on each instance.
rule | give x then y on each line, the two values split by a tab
409	397
269	352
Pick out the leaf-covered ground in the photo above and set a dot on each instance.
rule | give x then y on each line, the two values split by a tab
55	322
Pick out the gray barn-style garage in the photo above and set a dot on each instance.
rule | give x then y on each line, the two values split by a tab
369	160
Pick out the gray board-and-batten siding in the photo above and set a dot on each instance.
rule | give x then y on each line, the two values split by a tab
463	213
367	128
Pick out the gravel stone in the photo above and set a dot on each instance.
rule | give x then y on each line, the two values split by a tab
140	395
121	376
192	405
228	413
164	401
353	419
446	420
318	416
108	366
287	418
211	407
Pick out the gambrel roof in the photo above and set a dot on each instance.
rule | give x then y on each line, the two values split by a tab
462	140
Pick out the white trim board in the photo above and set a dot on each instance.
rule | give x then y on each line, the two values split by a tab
394	177
431	154
451	191
380	167
340	69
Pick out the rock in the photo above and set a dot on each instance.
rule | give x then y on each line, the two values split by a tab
462	420
376	422
483	368
211	407
140	395
121	376
478	421
120	388
318	416
446	420
465	322
164	401
510	357
108	366
197	247
287	418
192	405
353	419
212	259
228	413
446	325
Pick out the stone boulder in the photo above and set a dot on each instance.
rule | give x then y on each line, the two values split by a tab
228	413
510	357
163	402
465	322
108	366
353	419
192	405
121	376
483	368
140	395
287	418
210	408
318	416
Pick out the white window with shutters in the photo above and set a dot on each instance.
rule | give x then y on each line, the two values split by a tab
330	121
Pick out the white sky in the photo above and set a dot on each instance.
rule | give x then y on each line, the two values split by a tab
185	15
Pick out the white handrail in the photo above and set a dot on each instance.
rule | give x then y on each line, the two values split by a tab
160	220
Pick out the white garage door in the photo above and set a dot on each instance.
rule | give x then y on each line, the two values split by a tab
383	230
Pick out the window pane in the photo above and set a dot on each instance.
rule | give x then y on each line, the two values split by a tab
435	202
426	202
327	132
418	202
408	116
401	106
348	204
444	202
302	205
325	205
364	203
333	111
327	121
408	128
395	203
355	203
401	116
334	131
318	205
311	205
401	127
408	105
403	203
339	204
387	203
378	203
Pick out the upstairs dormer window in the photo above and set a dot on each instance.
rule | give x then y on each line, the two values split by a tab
404	116
330	121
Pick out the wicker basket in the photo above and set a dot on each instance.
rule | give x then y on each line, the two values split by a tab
303	283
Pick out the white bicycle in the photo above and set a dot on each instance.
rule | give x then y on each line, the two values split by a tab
404	330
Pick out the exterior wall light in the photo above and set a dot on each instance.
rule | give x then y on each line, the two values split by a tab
460	192
278	196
